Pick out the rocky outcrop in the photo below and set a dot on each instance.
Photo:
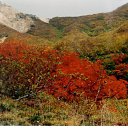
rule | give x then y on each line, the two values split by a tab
14	19
2	39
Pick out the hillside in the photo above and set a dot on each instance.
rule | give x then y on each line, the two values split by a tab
104	33
87	34
70	71
14	19
14	23
59	27
93	25
43	30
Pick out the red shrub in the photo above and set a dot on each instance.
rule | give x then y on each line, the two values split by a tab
118	58
63	75
75	77
14	50
121	66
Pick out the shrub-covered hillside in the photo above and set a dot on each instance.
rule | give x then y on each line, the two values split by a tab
70	71
44	79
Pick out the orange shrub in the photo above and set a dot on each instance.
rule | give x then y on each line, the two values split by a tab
75	77
14	50
118	58
63	75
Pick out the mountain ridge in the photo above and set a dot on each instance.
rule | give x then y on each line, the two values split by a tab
13	18
63	28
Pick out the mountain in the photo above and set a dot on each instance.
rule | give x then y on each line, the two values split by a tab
16	20
93	25
60	28
122	11
103	32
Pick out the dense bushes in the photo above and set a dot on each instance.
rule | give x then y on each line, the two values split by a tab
26	69
75	78
117	65
10	74
121	66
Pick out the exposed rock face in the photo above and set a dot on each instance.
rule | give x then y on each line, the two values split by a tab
2	39
14	19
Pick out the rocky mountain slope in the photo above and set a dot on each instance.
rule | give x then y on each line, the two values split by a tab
71	31
93	25
16	20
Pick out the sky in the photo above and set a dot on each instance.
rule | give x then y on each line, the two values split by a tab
62	8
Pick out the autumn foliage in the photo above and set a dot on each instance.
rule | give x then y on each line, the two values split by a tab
121	66
14	50
28	69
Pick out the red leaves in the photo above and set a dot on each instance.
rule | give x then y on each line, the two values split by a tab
121	70
81	77
118	58
114	88
121	66
63	75
14	50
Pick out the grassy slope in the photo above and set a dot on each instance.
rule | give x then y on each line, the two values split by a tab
93	25
105	33
49	111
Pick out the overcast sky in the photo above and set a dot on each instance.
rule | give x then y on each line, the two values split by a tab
53	8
